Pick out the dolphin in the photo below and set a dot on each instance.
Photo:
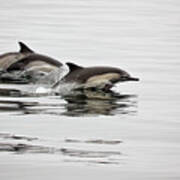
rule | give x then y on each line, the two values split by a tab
9	58
37	67
98	77
26	65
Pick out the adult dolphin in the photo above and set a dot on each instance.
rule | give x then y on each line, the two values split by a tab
26	65
98	77
37	67
7	59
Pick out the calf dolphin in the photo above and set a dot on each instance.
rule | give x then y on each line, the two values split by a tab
99	77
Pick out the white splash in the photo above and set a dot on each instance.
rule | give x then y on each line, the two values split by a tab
43	90
66	88
54	76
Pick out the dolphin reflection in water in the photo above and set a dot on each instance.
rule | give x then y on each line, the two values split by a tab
99	103
79	103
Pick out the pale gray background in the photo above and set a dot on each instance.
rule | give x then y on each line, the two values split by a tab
140	36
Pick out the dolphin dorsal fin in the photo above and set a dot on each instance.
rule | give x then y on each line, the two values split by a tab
73	67
24	48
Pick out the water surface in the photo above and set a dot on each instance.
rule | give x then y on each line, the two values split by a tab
133	136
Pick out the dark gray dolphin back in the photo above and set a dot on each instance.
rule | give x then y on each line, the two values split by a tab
81	74
21	64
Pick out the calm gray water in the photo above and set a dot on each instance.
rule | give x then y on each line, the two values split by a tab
132	137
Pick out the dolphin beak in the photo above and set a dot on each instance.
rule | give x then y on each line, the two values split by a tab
133	79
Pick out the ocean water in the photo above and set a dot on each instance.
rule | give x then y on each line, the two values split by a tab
131	134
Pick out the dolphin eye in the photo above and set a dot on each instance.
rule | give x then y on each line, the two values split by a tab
124	77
